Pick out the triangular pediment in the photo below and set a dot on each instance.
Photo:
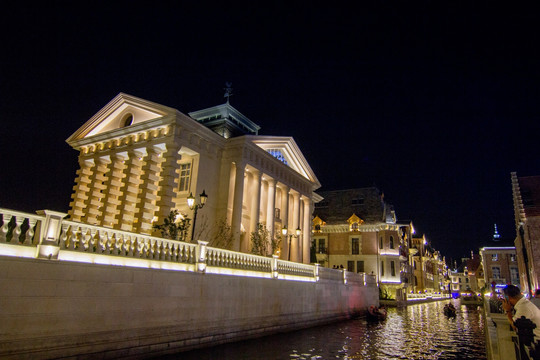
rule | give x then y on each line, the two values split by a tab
285	150
123	111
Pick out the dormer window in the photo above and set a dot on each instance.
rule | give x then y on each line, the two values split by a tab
128	120
354	223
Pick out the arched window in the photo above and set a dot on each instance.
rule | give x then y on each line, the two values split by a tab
391	242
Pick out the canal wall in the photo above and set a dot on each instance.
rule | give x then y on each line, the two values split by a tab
94	299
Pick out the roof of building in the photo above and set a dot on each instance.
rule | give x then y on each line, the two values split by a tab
367	203
530	194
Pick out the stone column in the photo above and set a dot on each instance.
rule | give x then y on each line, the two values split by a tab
81	189
236	221
148	196
270	210
295	208
255	200
94	204
285	221
306	230
130	189
168	185
112	189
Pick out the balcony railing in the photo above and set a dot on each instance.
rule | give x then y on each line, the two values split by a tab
48	236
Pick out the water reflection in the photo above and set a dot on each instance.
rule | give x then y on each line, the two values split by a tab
416	332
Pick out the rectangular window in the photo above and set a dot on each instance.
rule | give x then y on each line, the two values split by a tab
381	244
494	257
360	266
514	275
382	268
350	266
496	272
512	257
185	177
393	268
355	246
277	213
322	246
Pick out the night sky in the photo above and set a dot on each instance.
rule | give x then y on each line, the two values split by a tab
433	105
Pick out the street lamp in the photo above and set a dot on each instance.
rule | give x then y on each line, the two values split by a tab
284	231
192	206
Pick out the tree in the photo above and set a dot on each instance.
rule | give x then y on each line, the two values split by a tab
174	227
222	235
260	239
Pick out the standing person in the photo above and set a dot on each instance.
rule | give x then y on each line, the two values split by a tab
536	299
515	301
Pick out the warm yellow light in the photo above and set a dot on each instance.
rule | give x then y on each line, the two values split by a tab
284	231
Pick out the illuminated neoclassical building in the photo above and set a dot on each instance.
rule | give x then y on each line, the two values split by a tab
139	160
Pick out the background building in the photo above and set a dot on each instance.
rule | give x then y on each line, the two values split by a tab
140	160
357	230
526	195
500	266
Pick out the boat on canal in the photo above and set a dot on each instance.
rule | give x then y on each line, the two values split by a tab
376	313
449	310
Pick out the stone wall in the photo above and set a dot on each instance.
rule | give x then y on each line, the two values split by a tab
52	309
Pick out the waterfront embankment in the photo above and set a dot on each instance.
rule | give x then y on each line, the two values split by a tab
83	291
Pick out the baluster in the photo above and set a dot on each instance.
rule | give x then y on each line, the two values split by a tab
72	238
128	249
135	248
30	233
17	230
6	218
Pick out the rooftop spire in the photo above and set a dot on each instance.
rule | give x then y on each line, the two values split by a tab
228	90
496	235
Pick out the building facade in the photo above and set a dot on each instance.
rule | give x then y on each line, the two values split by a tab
526	196
500	266
140	160
357	230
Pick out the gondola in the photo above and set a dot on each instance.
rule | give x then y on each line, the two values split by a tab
376	314
449	310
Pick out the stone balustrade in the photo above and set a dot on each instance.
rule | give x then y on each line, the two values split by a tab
48	235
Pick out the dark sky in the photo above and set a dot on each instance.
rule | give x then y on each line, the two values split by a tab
434	104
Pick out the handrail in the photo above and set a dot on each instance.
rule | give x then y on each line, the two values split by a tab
58	239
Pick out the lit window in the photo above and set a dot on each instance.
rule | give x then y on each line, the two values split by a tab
512	257
496	272
322	246
494	257
355	246
185	177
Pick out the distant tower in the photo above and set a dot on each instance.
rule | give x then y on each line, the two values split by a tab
496	236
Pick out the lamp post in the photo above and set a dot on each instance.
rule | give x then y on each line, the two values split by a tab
284	231
192	206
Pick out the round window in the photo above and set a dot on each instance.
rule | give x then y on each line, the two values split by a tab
128	120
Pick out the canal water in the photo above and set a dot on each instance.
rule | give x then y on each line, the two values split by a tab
418	331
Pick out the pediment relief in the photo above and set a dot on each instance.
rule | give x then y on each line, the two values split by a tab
121	112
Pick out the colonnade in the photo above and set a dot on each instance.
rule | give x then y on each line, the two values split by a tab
256	197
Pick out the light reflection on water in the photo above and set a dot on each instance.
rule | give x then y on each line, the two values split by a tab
415	332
